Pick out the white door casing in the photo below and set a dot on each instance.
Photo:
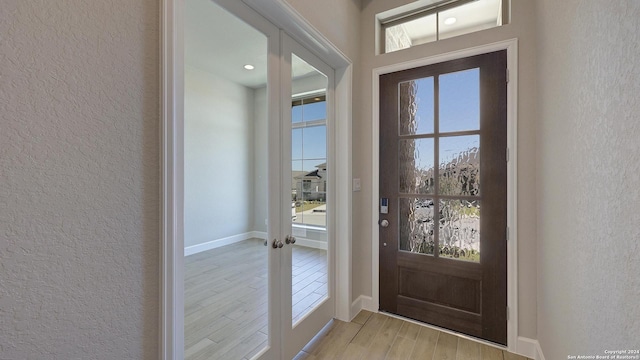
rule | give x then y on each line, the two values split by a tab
172	110
512	251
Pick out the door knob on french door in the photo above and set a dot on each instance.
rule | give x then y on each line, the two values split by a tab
277	244
384	223
290	239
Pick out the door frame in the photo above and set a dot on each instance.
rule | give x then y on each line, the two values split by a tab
512	131
285	17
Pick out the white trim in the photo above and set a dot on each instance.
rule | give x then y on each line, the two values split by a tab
539	354
512	250
344	209
194	249
529	348
314	244
172	88
259	235
304	330
281	13
361	303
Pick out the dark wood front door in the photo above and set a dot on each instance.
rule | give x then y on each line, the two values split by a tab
443	173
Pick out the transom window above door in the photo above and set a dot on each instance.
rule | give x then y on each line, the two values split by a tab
431	20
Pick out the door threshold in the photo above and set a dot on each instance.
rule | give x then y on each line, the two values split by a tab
448	331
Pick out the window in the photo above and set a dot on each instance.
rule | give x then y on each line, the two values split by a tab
309	159
407	26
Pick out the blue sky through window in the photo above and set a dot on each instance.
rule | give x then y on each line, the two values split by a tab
459	111
308	144
459	106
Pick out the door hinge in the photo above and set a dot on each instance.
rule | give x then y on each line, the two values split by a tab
507	154
507	233
507	313
507	71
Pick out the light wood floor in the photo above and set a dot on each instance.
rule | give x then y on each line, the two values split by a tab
226	297
377	336
226	314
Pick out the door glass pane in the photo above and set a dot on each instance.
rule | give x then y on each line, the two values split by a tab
460	229
416	107
225	186
416	166
314	142
459	94
460	165
416	225
315	109
309	189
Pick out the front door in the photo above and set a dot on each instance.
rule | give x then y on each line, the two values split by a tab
443	195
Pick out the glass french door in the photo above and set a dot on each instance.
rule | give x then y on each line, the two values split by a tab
307	290
232	178
258	187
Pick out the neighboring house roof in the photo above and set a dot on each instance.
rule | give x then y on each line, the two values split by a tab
313	174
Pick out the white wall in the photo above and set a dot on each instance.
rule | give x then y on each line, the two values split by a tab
79	179
522	27
589	176
219	158
309	83
335	19
261	160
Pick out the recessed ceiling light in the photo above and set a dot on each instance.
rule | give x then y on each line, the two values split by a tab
450	21
249	67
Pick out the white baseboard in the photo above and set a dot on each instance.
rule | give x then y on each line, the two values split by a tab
316	244
367	304
539	354
259	235
361	303
194	249
529	348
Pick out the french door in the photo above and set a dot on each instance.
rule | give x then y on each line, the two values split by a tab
307	301
443	195
259	137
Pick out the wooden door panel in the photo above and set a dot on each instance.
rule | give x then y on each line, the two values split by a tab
441	278
446	317
447	290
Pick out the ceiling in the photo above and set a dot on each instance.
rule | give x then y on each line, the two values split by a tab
220	43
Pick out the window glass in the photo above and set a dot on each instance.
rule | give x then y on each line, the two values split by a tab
441	22
309	160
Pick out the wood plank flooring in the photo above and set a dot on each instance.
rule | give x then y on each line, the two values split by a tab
226	297
378	336
226	314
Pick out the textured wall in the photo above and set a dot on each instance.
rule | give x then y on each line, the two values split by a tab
79	170
522	27
589	176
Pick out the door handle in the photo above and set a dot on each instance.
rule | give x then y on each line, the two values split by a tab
277	244
384	223
290	239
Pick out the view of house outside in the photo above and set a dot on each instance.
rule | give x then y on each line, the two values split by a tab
309	161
